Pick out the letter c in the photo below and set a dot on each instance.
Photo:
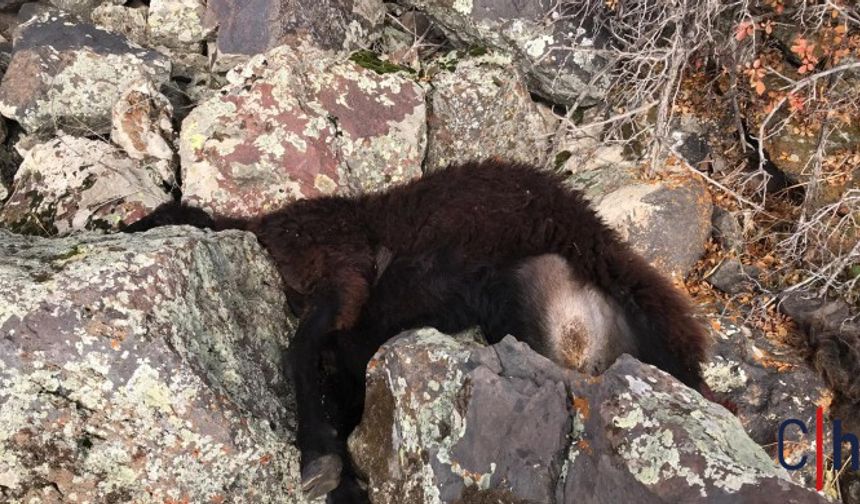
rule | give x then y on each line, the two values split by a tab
780	444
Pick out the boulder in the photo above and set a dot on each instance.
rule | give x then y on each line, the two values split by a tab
832	329
668	225
552	47
445	418
246	28
143	368
768	382
482	109
292	125
68	75
732	277
596	166
72	183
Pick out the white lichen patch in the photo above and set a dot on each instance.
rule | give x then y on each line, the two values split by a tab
723	375
674	433
537	47
463	6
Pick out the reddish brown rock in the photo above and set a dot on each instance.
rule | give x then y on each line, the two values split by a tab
141	125
294	125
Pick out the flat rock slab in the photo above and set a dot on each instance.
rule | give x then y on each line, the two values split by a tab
66	74
143	368
445	419
295	125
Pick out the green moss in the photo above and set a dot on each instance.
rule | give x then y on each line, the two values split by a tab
74	251
477	50
561	158
88	182
41	276
370	60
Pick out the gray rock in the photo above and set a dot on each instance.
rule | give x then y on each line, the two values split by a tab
667	225
68	75
482	109
732	277
72	183
143	368
443	417
813	311
727	230
598	170
294	124
555	51
246	28
11	5
832	328
689	141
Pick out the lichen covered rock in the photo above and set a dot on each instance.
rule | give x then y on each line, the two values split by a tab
143	368
68	75
83	8
178	24
445	417
249	28
768	383
72	183
553	48
126	20
292	125
483	109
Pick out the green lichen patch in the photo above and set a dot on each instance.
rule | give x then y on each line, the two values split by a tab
371	61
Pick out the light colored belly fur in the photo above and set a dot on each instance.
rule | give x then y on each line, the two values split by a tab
581	327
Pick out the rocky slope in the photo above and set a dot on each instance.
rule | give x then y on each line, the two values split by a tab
146	367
